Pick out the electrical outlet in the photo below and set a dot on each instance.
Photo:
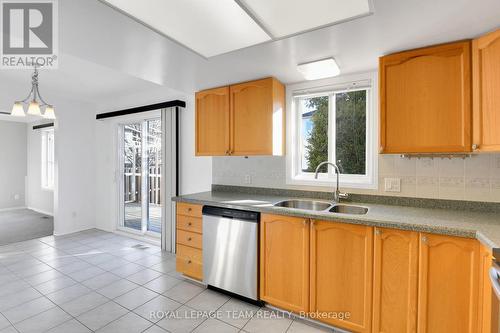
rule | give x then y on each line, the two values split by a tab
248	179
392	184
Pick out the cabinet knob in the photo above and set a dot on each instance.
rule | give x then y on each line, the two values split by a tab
189	239
190	209
475	146
190	224
227	152
424	239
189	261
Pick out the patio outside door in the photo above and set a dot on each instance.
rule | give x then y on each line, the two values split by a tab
141	169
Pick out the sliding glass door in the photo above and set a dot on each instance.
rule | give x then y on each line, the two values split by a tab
141	167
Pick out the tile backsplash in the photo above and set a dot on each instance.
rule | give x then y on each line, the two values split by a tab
475	178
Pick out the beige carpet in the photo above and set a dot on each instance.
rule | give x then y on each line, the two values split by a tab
24	224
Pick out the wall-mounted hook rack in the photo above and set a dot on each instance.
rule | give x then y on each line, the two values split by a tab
442	156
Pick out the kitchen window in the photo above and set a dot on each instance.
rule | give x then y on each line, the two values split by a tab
48	159
334	122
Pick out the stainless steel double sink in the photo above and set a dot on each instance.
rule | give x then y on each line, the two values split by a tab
322	206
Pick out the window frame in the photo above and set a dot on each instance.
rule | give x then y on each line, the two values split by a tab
329	87
46	159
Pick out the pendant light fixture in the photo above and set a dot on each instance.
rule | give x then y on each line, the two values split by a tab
34	101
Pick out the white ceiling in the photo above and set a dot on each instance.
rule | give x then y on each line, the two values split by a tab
111	56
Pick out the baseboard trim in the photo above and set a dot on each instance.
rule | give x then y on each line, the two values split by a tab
40	211
72	231
13	208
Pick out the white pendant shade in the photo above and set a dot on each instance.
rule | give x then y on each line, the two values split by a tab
34	109
49	112
17	110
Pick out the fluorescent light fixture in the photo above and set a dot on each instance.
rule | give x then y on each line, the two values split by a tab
319	69
283	18
209	28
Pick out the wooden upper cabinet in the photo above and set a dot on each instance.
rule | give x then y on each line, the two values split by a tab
448	284
212	122
341	274
257	118
395	281
425	100
486	81
242	119
284	262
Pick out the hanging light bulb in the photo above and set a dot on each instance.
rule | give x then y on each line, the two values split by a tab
17	110
49	112
34	109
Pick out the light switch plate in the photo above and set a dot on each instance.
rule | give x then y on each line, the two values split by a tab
392	184
248	179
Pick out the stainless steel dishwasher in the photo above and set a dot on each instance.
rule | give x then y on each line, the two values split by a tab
230	250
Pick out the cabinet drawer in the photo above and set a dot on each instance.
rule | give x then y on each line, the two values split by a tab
189	223
189	209
189	238
189	261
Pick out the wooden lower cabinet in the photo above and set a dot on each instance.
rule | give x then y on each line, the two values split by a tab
189	256
341	274
284	262
485	291
364	279
395	281
448	284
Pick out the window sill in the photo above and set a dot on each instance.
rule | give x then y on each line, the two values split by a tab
361	182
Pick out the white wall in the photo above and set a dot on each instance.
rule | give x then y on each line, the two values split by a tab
37	198
195	172
74	195
13	153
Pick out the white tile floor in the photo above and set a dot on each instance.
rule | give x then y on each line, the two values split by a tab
97	281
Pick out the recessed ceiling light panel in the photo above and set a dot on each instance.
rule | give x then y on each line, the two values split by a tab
319	69
207	27
283	18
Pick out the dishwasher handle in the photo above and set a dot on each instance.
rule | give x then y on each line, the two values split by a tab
230	213
494	276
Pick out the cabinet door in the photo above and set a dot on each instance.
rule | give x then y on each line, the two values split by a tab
448	284
425	100
486	78
212	122
252	118
485	291
395	281
284	262
341	274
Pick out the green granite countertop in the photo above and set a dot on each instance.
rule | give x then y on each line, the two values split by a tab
484	226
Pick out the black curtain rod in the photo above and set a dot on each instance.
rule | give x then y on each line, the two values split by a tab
157	106
43	126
